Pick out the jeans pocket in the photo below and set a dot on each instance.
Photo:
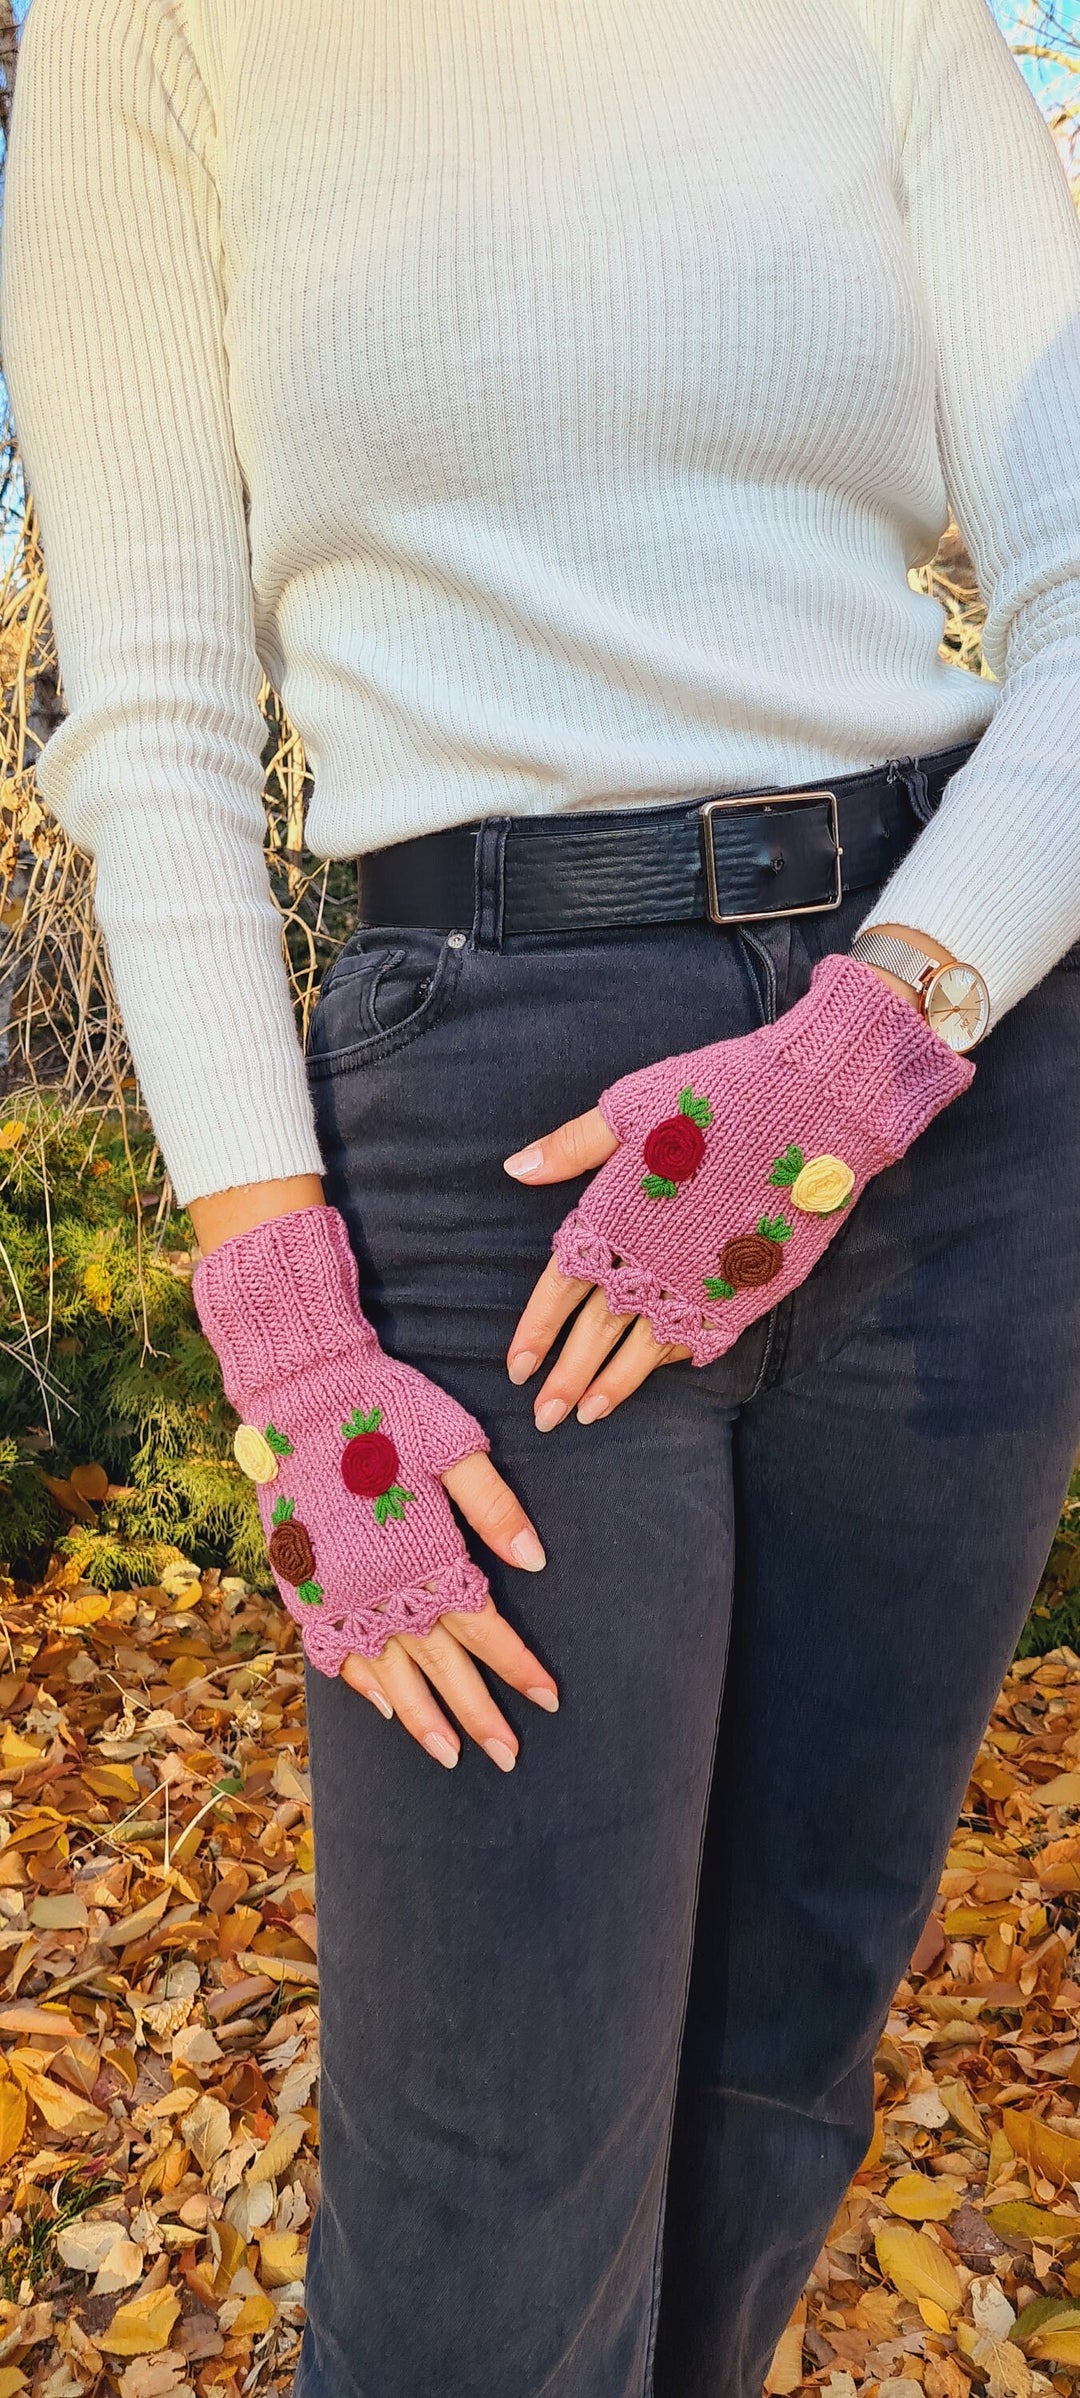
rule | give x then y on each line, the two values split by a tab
385	989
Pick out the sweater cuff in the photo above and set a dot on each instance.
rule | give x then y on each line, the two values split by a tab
279	1298
873	1052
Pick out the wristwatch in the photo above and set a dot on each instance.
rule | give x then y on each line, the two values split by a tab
952	997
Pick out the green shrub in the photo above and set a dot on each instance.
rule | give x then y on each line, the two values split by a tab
102	1362
1054	1621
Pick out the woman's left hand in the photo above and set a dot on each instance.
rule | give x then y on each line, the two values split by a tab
753	1148
597	1367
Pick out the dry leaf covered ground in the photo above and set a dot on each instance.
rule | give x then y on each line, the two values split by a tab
158	2029
158	2058
954	2260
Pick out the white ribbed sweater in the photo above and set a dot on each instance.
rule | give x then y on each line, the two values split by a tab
552	396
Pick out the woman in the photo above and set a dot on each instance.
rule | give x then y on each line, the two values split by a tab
552	399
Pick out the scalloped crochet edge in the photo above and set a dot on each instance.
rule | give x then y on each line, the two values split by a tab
630	1289
332	1634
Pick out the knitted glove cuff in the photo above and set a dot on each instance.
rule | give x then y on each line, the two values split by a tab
262	1296
872	1052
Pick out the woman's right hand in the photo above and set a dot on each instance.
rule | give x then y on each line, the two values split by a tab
353	1454
404	1681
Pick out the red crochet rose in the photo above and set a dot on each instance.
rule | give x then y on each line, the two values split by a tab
369	1465
674	1149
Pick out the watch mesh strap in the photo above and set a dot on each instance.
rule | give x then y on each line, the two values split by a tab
897	957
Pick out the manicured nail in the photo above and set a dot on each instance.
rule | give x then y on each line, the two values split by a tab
526	1161
500	1755
383	1704
521	1365
547	1699
549	1414
442	1749
591	1410
525	1550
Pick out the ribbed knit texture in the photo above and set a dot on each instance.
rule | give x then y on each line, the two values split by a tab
738	1162
552	395
281	1306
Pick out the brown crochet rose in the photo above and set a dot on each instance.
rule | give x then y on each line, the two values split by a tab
291	1553
750	1261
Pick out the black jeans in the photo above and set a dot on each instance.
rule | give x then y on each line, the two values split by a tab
597	2036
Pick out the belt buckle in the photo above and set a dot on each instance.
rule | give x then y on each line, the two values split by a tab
767	799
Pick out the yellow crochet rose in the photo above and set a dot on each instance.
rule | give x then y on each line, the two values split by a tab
822	1186
257	1453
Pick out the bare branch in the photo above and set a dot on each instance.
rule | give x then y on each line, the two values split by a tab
8	54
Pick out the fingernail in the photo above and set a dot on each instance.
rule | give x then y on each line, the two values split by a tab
547	1699
549	1414
442	1749
525	1550
500	1755
383	1704
521	1365
591	1410
525	1161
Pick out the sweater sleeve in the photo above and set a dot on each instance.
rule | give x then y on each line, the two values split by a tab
112	319
996	874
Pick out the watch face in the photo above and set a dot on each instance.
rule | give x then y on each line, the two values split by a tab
957	1005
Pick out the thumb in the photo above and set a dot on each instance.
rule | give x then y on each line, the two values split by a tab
575	1148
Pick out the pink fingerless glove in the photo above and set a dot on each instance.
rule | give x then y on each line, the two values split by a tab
345	1444
738	1162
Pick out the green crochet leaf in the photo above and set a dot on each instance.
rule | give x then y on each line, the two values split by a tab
698	1110
657	1186
775	1228
309	1593
718	1289
277	1442
359	1422
390	1507
787	1169
283	1511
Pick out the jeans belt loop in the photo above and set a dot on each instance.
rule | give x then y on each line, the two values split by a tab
490	882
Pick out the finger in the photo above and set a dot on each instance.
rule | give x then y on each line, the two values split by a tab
489	1505
450	1670
575	1148
362	1676
589	1341
630	1366
554	1298
499	1647
410	1697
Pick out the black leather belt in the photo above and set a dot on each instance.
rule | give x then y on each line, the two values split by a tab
734	860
